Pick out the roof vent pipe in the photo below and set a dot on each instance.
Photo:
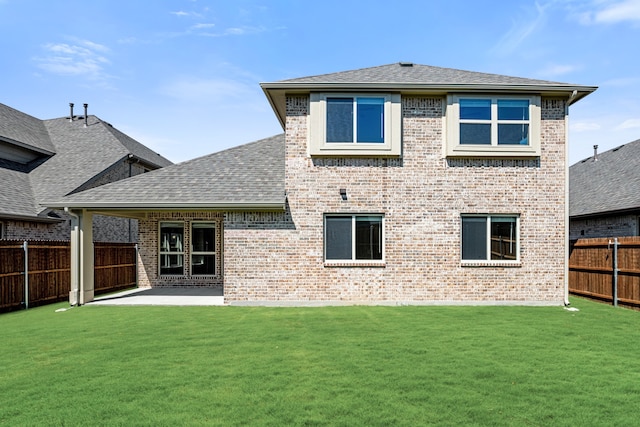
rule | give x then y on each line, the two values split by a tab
71	111
595	153
85	114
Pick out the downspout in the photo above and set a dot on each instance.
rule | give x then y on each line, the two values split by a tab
75	283
566	197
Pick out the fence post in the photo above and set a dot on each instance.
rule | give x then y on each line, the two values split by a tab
25	246
615	272
136	263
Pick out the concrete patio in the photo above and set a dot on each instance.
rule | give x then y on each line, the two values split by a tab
184	296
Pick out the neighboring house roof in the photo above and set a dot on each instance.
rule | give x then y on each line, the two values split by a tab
65	157
24	131
415	78
610	184
247	176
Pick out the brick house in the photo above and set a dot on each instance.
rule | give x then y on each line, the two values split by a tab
401	183
604	196
52	158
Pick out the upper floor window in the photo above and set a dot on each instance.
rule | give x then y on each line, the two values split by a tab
2	232
355	120
493	126
355	124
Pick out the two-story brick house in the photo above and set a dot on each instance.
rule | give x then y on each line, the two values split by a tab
402	183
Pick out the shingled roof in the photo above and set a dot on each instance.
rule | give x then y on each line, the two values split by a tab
247	176
407	77
68	157
610	184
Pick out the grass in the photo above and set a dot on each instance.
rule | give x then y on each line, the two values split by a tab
345	366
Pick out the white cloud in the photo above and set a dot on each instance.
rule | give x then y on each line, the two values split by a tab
584	126
558	70
210	90
521	30
629	124
610	12
83	58
201	26
628	10
622	82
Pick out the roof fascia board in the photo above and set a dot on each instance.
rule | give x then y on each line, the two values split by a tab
135	159
163	206
28	218
27	146
439	87
628	211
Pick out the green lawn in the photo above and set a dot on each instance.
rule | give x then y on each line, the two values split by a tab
462	366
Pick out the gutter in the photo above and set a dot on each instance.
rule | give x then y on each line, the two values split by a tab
28	218
566	200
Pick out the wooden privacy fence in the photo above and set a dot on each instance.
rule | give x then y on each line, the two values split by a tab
48	266
607	269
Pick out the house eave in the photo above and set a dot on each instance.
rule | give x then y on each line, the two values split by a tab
25	146
164	206
616	212
29	218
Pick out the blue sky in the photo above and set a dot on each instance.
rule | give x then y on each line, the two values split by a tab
183	76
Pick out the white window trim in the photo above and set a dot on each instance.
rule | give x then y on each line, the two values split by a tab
452	134
214	252
2	230
318	146
353	261
161	252
492	262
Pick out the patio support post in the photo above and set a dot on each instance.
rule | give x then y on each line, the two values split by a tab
82	263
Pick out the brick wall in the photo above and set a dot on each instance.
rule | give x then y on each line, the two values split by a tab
148	254
422	195
611	226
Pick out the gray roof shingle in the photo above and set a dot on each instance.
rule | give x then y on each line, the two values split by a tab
24	130
416	73
612	183
71	155
16	195
250	175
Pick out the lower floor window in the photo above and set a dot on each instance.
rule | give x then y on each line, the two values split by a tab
201	252
172	248
203	248
490	237
353	237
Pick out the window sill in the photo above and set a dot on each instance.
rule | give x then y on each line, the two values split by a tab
480	263
492	151
357	150
355	264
